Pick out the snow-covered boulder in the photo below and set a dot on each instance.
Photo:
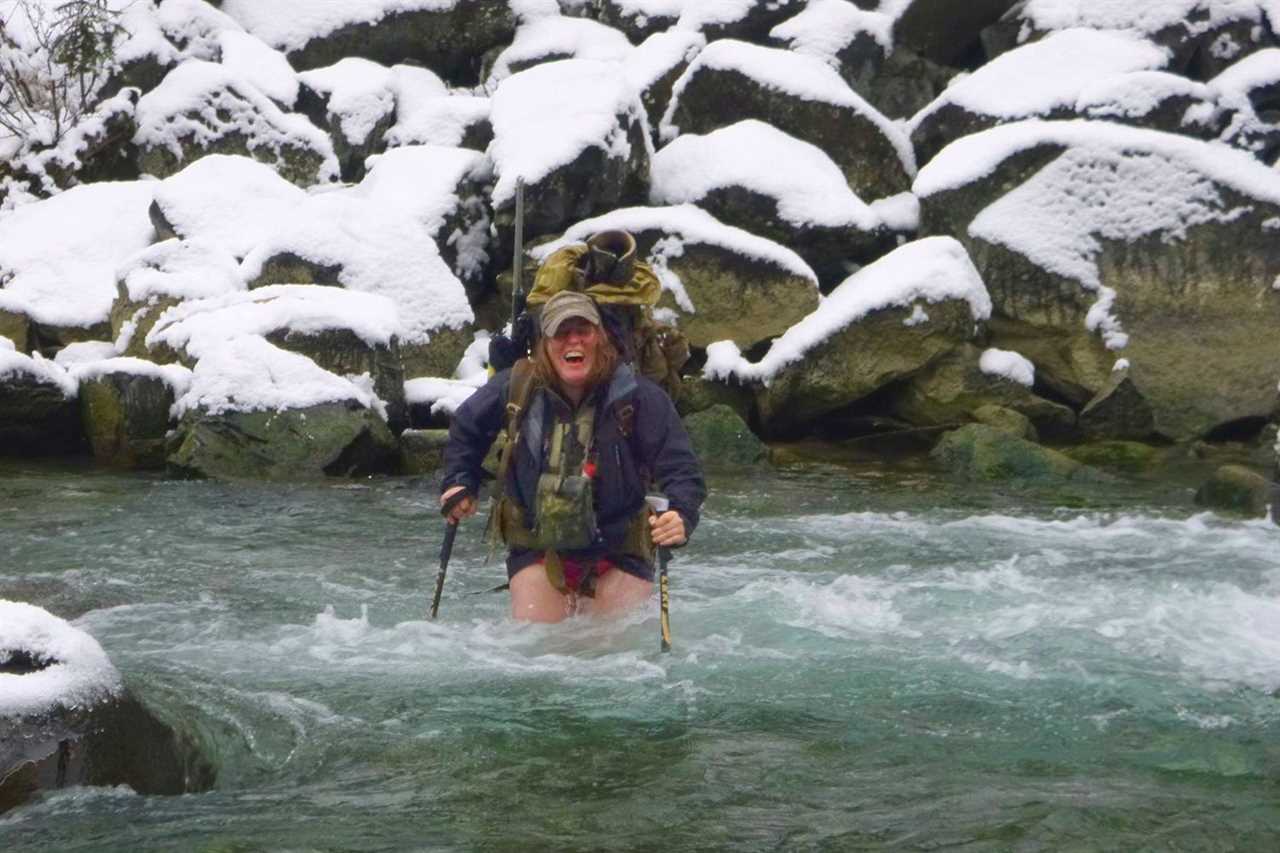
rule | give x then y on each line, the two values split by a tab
551	38
732	174
1044	79
1203	36
58	259
66	718
576	133
885	323
1133	243
256	411
720	282
639	19
1156	100
359	103
800	95
1248	96
854	41
656	64
380	237
455	120
959	385
347	333
164	275
125	408
38	412
447	36
746	20
223	200
202	108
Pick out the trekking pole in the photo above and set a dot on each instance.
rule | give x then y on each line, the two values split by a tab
446	547
659	505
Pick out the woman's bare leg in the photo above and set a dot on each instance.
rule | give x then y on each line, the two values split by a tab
617	591
534	599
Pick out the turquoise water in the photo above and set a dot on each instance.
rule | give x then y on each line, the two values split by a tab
864	658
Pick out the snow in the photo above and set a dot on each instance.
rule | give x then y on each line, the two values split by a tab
546	116
177	377
1146	16
1049	74
379	233
63	251
810	191
179	269
931	270
1112	183
248	374
804	77
580	38
227	200
439	121
1253	72
80	674
35	366
659	53
446	395
1006	364
200	102
83	352
268	69
360	92
826	27
1136	94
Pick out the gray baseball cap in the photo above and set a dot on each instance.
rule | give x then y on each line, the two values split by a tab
564	305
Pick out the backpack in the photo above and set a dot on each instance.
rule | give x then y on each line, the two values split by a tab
625	290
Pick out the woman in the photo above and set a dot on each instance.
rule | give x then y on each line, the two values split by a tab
586	437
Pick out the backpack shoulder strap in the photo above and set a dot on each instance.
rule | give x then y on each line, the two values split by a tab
519	391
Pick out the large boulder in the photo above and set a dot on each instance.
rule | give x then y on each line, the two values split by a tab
1044	79
206	108
552	38
946	32
722	438
254	411
1118	412
1235	489
719	282
885	323
381	237
655	66
732	174
1136	243
800	95
66	719
602	165
981	452
38	413
447	36
738	19
124	407
1248	95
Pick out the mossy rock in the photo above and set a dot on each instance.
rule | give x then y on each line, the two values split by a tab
698	395
1235	489
1130	457
17	328
422	450
126	417
721	437
1008	421
981	452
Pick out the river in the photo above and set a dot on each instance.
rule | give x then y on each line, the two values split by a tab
865	657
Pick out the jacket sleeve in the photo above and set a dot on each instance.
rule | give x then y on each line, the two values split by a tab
668	453
475	425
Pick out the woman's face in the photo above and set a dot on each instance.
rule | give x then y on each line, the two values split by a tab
574	349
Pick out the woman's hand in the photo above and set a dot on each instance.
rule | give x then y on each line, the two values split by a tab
464	508
667	529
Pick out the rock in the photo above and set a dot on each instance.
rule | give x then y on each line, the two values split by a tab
800	95
1118	411
16	326
578	177
1236	489
65	718
1249	104
1129	457
955	389
124	407
656	65
981	452
731	174
721	437
904	85
1064	65
1156	100
555	38
885	323
1007	421
38	412
331	439
204	108
638	23
751	22
422	450
449	38
945	32
698	394
359	107
722	283
1184	294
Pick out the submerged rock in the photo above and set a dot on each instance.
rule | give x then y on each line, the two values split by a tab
422	450
981	452
1236	489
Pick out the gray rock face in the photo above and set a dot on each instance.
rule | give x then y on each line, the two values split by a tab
1235	489
1118	411
332	439
16	326
126	416
722	438
37	418
947	32
422	450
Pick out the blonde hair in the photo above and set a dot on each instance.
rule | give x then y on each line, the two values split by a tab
606	361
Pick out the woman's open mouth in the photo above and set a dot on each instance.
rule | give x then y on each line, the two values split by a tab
575	357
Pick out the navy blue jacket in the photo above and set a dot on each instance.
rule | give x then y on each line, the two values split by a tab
658	450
